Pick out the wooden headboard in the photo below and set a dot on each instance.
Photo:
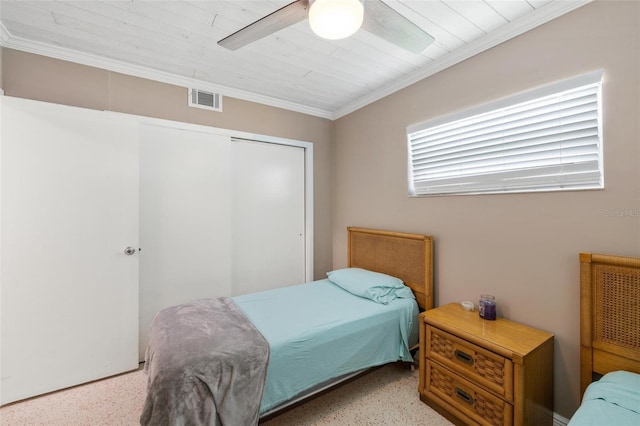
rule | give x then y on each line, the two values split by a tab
609	315
406	256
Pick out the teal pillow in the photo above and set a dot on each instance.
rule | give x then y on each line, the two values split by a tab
380	288
624	379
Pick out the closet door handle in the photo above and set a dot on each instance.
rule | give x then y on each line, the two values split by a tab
129	251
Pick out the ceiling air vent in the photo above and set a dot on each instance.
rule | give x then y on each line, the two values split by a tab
206	100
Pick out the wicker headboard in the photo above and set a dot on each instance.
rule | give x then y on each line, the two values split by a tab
406	256
609	315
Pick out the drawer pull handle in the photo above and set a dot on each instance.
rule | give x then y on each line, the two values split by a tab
466	358
464	396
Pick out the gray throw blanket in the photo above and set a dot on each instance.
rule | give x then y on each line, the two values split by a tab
206	365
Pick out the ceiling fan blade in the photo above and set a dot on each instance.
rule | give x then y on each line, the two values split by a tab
386	23
281	18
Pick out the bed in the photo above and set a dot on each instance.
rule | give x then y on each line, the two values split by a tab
241	359
609	341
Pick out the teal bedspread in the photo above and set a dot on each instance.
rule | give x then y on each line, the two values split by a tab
612	400
318	331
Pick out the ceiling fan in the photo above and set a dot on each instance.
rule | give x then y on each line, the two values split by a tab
372	15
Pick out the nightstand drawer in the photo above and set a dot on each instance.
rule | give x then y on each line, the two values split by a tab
479	405
483	367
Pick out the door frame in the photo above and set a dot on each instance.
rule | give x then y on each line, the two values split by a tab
308	169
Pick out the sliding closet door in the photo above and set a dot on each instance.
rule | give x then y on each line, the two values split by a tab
185	216
268	240
69	194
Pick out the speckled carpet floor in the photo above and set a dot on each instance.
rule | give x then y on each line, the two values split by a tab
386	396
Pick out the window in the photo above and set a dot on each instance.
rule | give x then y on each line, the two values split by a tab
548	139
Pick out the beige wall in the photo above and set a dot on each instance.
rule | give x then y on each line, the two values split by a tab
37	77
522	248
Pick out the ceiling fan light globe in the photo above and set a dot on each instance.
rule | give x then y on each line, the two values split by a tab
335	19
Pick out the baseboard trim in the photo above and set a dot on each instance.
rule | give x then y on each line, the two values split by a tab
558	420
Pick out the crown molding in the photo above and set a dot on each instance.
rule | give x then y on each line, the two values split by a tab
57	52
507	32
513	29
4	34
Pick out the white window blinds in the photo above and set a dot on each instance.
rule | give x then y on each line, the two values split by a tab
551	140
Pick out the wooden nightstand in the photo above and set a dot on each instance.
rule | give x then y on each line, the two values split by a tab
475	371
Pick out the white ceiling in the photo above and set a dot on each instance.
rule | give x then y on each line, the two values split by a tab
176	42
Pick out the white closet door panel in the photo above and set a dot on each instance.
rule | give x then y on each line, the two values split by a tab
185	216
268	240
69	191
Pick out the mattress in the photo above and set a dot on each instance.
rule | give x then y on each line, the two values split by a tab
317	331
612	400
